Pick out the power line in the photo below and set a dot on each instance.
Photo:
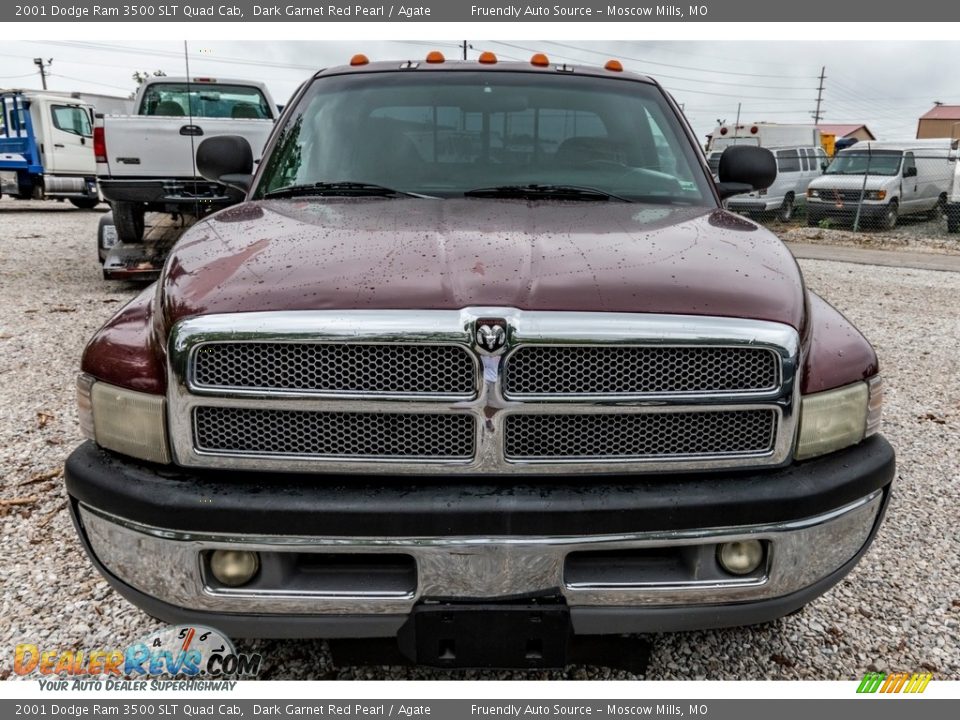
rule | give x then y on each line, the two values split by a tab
686	79
179	56
677	67
91	82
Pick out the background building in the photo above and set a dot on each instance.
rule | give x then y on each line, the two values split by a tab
941	121
849	130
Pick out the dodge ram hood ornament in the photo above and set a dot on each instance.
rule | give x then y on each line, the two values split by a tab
490	334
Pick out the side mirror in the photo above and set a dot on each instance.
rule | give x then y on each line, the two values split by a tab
744	168
226	159
910	172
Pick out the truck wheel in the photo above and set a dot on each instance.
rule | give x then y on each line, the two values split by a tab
128	218
106	235
939	209
891	216
85	203
953	218
785	211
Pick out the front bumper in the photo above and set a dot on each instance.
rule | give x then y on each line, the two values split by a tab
754	205
628	554
847	211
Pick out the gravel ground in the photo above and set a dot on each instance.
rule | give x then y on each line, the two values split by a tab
899	610
912	233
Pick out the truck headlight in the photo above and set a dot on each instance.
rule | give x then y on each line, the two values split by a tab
813	193
835	419
129	422
875	195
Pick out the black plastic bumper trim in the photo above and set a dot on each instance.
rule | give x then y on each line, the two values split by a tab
401	506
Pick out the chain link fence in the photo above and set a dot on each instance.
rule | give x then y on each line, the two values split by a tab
871	191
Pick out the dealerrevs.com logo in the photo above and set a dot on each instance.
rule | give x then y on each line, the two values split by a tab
185	651
901	682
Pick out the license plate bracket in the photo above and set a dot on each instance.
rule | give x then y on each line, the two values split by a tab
513	635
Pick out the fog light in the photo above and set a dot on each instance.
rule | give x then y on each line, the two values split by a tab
234	567
741	557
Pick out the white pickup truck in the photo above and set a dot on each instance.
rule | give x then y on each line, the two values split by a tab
146	161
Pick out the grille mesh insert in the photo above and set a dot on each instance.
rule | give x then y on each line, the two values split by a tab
334	434
641	435
638	370
342	367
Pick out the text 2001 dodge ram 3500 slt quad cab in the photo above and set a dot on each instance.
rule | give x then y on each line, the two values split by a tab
480	361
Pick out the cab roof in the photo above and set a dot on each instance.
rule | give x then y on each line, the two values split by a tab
421	65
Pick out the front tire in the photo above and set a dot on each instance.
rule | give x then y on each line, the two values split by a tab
785	211
129	220
953	218
940	209
85	203
891	216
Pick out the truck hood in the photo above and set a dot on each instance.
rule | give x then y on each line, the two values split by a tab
372	253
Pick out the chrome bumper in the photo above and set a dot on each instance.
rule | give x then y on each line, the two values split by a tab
169	565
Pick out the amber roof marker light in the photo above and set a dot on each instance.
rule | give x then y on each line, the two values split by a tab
487	58
613	66
540	60
359	59
435	56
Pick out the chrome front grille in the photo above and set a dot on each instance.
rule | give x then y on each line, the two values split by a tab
444	370
480	391
597	371
653	435
303	433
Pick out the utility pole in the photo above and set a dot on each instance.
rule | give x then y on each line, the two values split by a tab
465	46
817	117
43	69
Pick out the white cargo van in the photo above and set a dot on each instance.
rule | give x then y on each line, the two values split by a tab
800	159
796	168
886	179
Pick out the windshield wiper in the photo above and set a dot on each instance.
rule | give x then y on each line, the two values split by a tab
558	192
340	189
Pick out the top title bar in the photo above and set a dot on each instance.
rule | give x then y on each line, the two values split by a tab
636	11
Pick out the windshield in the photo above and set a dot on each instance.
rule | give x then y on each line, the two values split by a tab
859	162
205	100
444	134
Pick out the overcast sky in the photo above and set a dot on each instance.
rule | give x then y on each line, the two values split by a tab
885	85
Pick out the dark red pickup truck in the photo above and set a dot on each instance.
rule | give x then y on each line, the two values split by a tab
481	363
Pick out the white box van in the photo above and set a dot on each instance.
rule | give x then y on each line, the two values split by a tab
796	168
764	134
893	178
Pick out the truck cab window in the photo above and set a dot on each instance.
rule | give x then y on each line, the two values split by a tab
74	120
205	100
